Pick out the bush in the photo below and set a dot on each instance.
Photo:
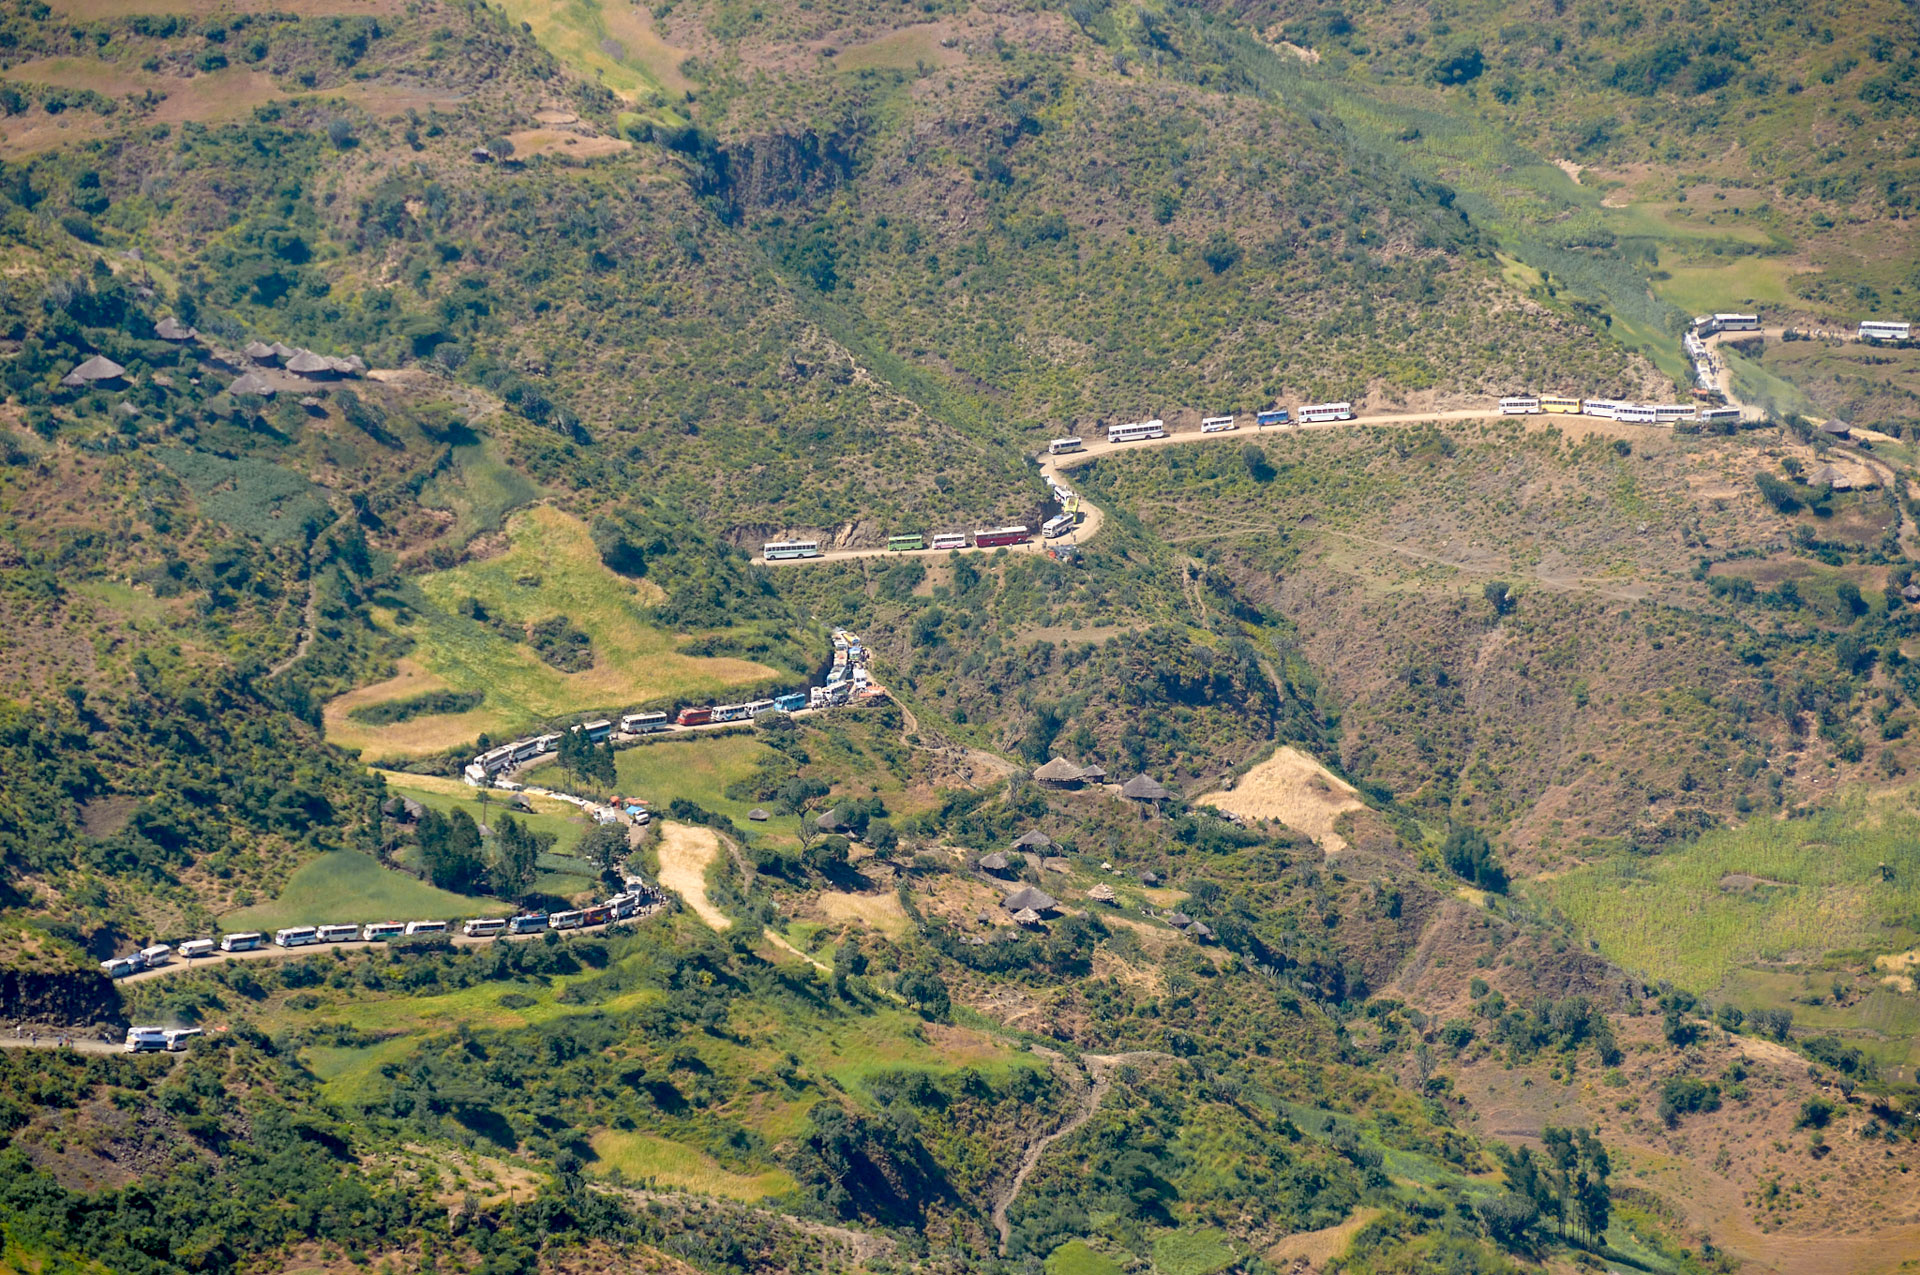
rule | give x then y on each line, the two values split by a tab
1469	856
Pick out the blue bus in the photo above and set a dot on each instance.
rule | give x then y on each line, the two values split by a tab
1277	416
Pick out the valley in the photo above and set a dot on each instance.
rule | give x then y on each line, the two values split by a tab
449	455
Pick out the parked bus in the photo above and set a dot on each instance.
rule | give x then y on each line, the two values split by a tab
245	942
1637	413
1326	412
1217	424
1552	404
988	538
122	966
642	723
598	731
1712	415
1059	445
484	927
1519	406
1135	432
527	923
694	716
1736	322
774	550
729	712
426	927
1272	416
1606	409
1885	330
566	920
381	931
596	915
950	540
1056	526
1667	413
906	543
146	1040
339	933
296	936
792	702
193	949
157	955
177	1038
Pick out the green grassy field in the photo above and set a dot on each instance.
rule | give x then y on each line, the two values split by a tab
564	821
551	569
349	886
1746	281
699	769
1196	1252
1075	1258
1766	891
645	1157
480	489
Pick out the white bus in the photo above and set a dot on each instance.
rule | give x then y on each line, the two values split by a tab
1520	406
1711	415
1670	412
774	550
426	927
193	949
296	936
1637	414
641	723
381	931
1057	526
1326	412
1059	445
950	540
1135	432
121	966
1217	424
566	920
485	927
1736	322
146	1040
1606	409
247	942
339	933
1885	330
157	955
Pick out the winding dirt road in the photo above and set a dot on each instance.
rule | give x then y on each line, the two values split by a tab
1100	1069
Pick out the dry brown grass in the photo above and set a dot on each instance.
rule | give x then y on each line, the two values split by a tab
686	852
879	912
1317	1248
1294	789
570	145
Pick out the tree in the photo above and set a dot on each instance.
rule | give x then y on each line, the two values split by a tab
1499	595
1254	457
605	846
926	993
340	132
517	852
1222	252
1469	855
802	793
500	147
450	850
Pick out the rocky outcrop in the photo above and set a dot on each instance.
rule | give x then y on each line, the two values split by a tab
58	997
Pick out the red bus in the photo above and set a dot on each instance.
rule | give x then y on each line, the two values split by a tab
695	716
1000	536
597	916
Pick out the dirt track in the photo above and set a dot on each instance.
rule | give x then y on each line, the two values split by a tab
686	852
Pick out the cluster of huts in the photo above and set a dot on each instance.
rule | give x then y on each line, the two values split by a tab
258	358
1060	773
1030	906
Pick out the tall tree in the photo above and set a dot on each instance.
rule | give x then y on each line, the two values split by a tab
517	851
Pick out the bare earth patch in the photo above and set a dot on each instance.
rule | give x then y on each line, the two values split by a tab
686	852
1294	789
555	141
1317	1248
881	912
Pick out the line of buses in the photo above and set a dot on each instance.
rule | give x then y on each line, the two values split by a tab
618	908
914	541
1615	409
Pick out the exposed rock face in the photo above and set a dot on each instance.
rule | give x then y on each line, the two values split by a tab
66	998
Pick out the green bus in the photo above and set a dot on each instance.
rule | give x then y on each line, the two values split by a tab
913	540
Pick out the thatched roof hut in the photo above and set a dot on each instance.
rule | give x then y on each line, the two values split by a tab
98	370
1911	593
1178	920
1200	931
995	862
252	383
1030	897
307	363
174	330
1027	916
1149	878
1094	774
1831	476
1033	840
1836	429
1058	771
1141	788
282	351
1103	893
757	815
832	821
